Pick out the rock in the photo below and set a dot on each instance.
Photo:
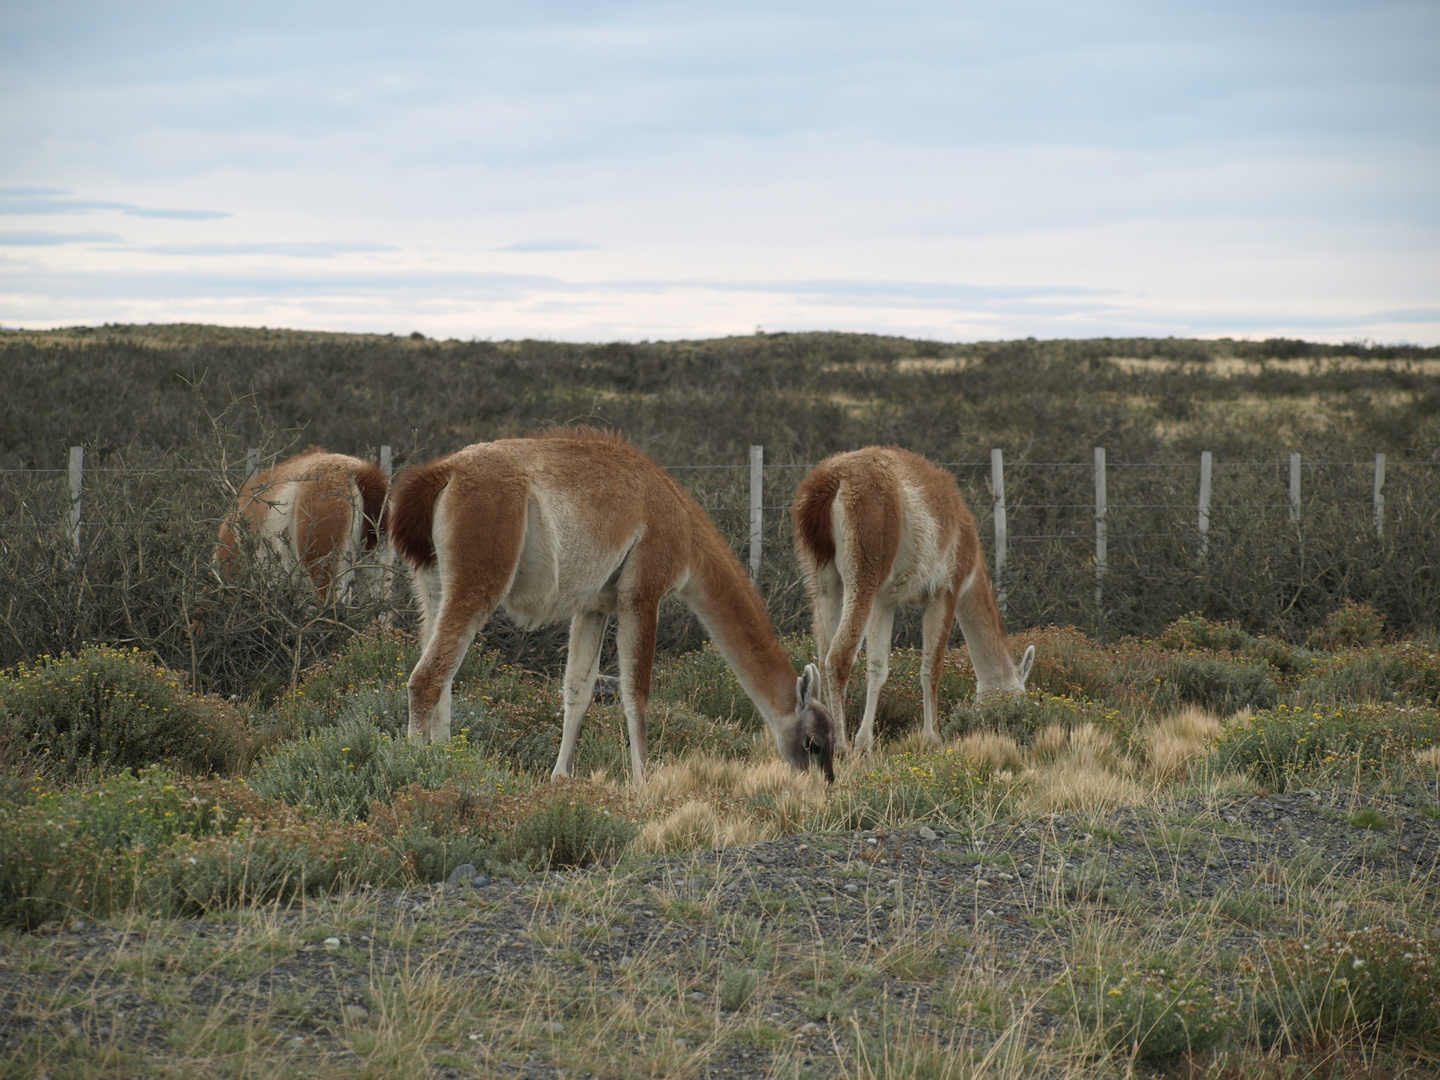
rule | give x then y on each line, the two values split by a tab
354	1014
464	874
553	1027
331	943
927	833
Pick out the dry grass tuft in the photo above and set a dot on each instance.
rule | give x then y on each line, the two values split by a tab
1086	773
697	826
989	748
1173	744
1049	743
1429	757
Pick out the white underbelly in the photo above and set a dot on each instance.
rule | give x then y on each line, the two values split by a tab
561	572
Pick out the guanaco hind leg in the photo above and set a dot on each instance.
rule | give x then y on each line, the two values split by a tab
478	538
877	670
829	598
582	667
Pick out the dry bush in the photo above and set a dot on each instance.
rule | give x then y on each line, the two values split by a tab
722	801
1089	774
996	752
1430	758
697	826
1173	744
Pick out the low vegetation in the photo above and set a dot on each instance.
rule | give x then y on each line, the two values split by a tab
1058	889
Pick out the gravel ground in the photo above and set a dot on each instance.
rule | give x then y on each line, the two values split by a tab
846	894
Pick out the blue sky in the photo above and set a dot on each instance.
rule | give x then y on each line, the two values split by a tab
607	171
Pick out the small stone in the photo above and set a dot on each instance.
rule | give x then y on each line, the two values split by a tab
851	887
355	1014
479	882
553	1027
331	943
927	833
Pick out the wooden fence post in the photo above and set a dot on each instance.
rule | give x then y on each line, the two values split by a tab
77	475
387	462
1379	495
1100	506
1205	463
1294	487
997	482
757	508
252	461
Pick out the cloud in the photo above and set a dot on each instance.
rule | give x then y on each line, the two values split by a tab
548	245
323	249
30	201
41	238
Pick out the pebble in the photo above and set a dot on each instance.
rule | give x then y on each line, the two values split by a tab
927	833
331	943
355	1014
553	1027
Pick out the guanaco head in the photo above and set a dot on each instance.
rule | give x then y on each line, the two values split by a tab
1014	684
812	736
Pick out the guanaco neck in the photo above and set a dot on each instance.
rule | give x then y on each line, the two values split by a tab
729	606
985	637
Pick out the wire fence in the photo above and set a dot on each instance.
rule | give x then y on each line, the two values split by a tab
120	550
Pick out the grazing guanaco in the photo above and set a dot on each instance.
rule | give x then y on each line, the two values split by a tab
880	527
315	511
577	524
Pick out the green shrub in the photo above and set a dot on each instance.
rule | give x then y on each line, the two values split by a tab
1275	745
1151	1012
110	709
737	986
1380	675
1221	685
565	832
1349	626
342	769
1022	716
1197	632
903	788
1370	981
88	847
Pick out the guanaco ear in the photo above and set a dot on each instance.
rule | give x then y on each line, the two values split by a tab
805	686
1025	662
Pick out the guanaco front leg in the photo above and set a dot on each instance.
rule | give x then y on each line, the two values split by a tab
635	627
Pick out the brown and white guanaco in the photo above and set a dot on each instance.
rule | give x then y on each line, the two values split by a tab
880	527
577	524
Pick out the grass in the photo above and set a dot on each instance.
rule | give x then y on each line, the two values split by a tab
1095	897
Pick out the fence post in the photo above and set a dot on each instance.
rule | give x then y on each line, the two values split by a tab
1100	556
757	511
77	475
1205	463
997	482
1379	495
252	461
1294	487
387	462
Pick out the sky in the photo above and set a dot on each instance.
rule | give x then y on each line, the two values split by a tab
606	171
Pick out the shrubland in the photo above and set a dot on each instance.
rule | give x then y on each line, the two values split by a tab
219	771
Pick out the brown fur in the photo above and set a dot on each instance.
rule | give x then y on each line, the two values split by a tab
579	525
409	510
811	511
908	538
323	492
